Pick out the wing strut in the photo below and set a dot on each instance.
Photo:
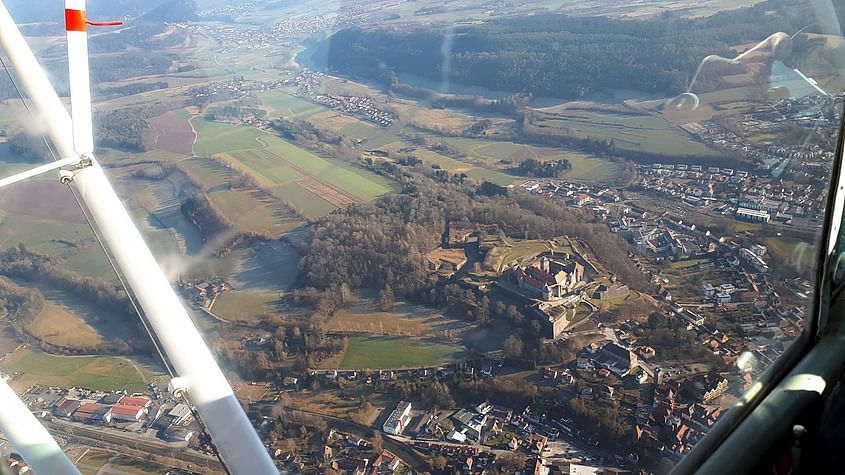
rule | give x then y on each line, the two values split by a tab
237	442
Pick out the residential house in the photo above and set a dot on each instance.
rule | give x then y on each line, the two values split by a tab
618	360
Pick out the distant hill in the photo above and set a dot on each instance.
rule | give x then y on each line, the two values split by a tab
173	11
557	55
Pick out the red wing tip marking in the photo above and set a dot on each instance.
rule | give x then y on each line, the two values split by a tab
75	20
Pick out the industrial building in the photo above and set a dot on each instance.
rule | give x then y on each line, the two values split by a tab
399	419
754	215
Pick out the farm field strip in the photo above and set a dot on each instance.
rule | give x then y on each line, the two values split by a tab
218	137
95	372
455	166
314	184
205	172
289	105
311	205
173	133
395	353
308	181
646	132
250	212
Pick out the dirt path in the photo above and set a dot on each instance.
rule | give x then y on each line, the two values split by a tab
137	369
191	123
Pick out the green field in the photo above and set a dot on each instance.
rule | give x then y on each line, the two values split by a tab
308	203
503	155
387	352
93	463
248	212
641	132
155	154
361	183
217	137
237	305
278	165
589	168
272	170
182	114
89	261
289	106
40	235
101	373
207	173
362	130
455	166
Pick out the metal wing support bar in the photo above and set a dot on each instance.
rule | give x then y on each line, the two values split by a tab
240	448
38	170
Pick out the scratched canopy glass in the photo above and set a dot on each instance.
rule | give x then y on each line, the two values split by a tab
567	233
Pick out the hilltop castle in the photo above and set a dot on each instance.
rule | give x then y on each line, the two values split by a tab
549	279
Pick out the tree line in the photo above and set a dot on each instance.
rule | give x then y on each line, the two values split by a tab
123	129
29	148
19	303
20	263
537	169
131	89
208	219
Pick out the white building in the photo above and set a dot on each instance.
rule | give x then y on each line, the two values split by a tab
577	469
399	418
753	215
180	413
753	260
457	436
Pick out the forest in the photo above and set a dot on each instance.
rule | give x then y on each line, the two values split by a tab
384	242
130	89
199	210
560	56
233	112
30	148
18	303
537	169
123	129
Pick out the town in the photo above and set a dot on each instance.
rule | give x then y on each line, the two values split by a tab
418	275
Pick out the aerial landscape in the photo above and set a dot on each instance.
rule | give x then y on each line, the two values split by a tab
461	236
